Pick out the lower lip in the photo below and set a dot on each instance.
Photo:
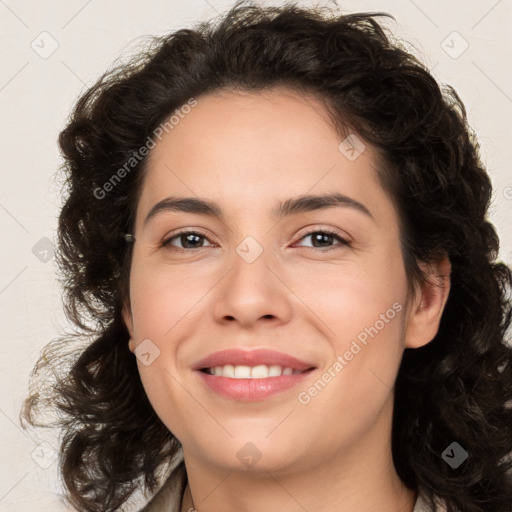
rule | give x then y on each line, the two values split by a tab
252	390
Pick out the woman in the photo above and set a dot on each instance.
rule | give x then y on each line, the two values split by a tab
275	236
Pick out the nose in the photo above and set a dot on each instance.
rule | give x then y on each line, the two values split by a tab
253	292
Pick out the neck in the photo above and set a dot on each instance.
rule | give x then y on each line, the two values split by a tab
360	477
396	499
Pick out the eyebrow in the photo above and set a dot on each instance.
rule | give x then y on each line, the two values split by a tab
292	206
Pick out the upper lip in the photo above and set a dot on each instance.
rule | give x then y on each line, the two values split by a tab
252	358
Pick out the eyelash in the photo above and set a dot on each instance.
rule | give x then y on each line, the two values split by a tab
344	242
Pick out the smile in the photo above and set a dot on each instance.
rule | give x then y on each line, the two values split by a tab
261	371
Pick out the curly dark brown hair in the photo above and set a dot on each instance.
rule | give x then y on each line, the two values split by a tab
457	387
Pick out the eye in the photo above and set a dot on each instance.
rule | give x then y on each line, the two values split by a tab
324	237
188	239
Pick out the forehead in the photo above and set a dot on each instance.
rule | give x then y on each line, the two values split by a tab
245	146
278	123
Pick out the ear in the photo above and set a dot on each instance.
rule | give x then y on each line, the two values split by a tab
427	308
126	313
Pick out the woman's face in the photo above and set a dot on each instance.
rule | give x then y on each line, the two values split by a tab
261	274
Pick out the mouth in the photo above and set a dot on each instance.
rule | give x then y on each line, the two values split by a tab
261	371
252	384
252	376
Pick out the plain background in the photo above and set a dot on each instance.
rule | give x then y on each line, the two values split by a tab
37	92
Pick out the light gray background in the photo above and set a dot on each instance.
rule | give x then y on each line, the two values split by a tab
37	92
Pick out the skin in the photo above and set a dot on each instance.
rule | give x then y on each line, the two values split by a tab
248	151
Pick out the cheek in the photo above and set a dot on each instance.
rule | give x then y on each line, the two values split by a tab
161	296
162	302
361	312
352	296
359	307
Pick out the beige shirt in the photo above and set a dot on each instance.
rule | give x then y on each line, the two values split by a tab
170	495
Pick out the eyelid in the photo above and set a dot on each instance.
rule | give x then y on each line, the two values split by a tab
309	230
314	228
344	239
184	231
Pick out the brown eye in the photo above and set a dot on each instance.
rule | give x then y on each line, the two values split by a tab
187	239
323	238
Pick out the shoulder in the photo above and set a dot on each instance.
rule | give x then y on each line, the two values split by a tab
423	504
170	495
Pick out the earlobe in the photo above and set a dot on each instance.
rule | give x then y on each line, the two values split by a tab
128	320
425	314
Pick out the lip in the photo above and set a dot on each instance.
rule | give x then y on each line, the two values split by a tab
252	358
252	390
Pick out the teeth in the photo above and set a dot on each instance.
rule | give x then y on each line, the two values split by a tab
261	371
275	371
241	372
